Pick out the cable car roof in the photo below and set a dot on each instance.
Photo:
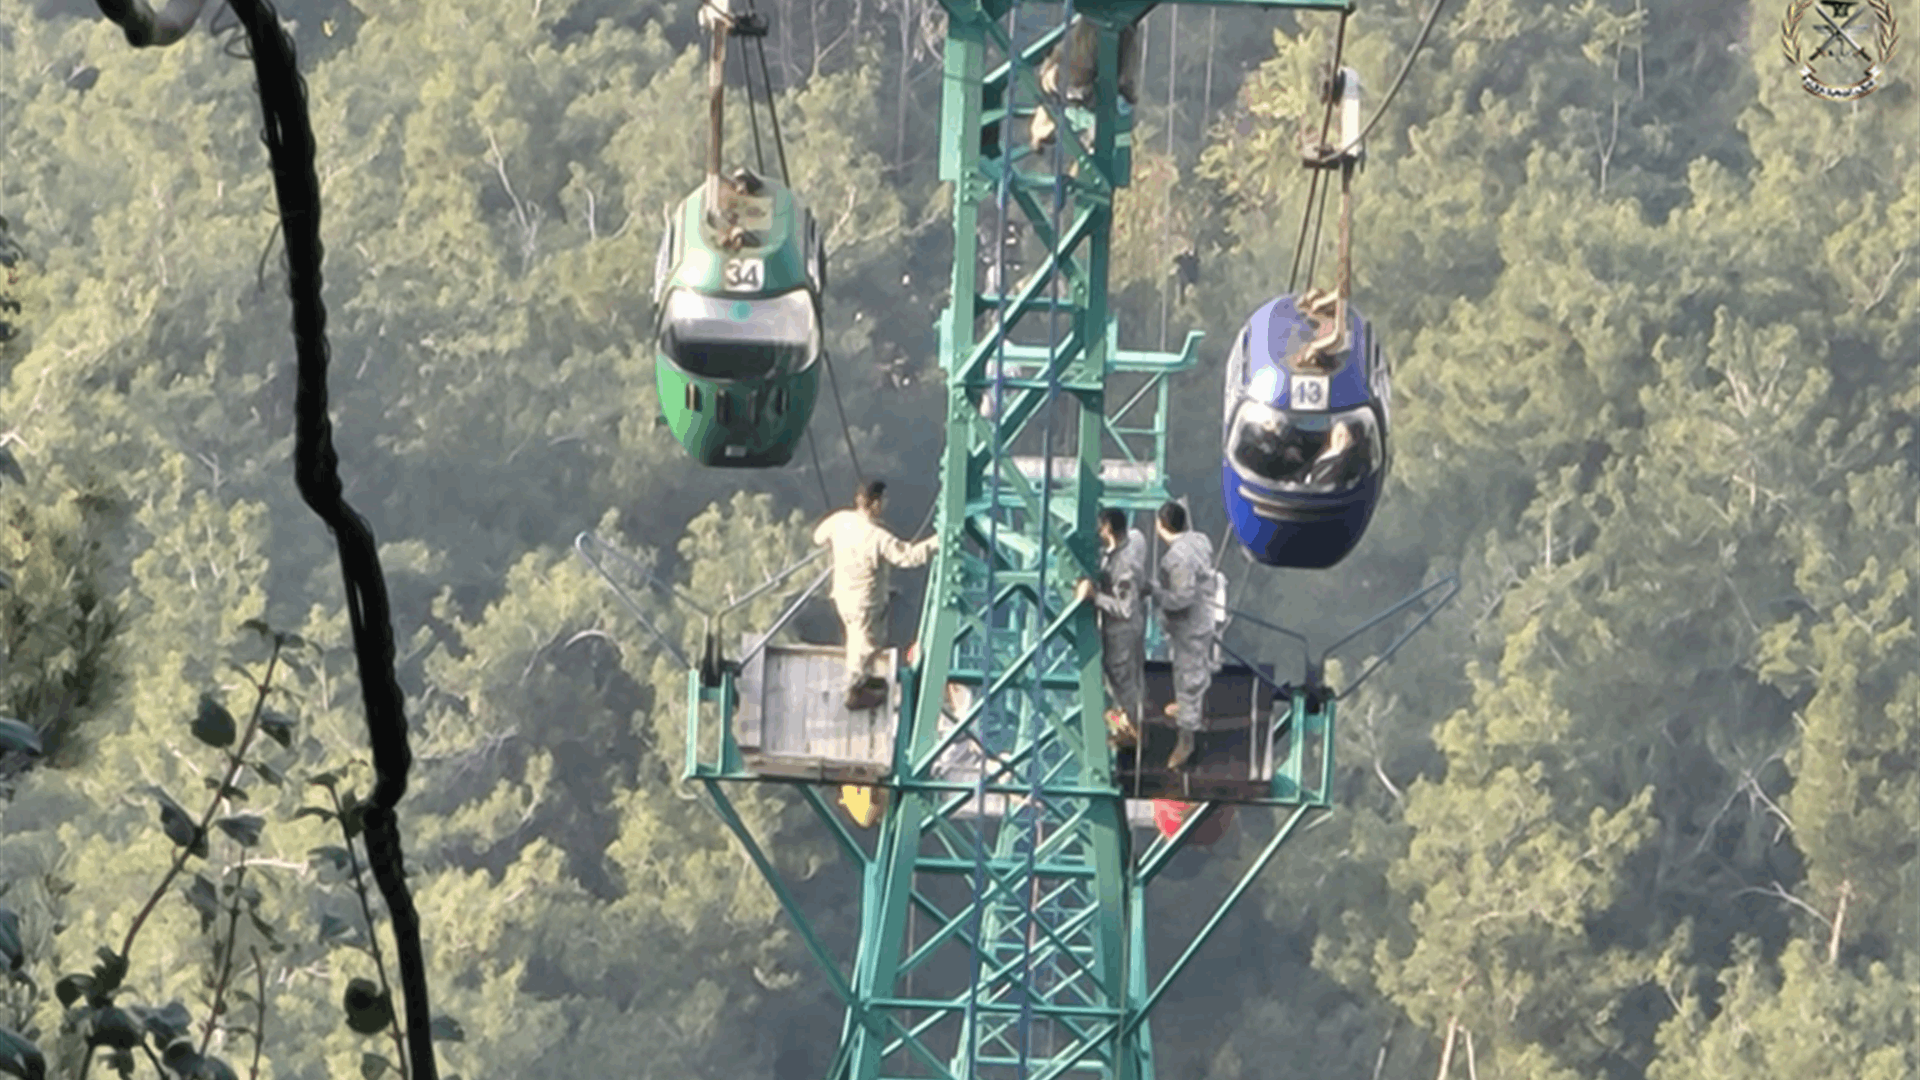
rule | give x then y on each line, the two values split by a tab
1279	330
755	245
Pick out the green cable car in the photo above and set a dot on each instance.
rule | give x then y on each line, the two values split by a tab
737	324
738	336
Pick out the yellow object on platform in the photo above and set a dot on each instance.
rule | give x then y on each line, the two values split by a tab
864	804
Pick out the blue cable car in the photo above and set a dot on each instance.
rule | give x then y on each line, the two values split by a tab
1304	448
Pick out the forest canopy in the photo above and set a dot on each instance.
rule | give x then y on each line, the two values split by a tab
1640	805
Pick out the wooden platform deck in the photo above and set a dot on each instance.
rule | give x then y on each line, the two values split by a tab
791	722
792	719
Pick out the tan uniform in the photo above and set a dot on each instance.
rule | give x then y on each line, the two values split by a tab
863	550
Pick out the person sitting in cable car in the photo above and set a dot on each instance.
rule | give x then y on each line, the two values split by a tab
1304	445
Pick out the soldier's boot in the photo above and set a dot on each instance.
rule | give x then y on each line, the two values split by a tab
1182	751
869	692
1183	746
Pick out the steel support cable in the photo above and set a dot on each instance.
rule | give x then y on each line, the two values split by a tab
813	451
289	137
1399	80
1326	128
773	114
1420	43
753	114
846	432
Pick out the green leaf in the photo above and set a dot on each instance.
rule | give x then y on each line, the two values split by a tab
332	853
109	973
313	811
178	826
263	927
18	737
258	626
368	1010
204	900
6	580
20	1058
10	466
333	927
373	1066
214	724
212	1068
326	779
447	1029
166	1024
270	774
115	1027
72	988
244	828
278	726
12	952
350	814
182	1058
121	1062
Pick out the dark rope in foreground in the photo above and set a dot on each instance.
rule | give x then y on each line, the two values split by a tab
289	138
290	148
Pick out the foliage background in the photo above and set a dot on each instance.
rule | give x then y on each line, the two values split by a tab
1642	805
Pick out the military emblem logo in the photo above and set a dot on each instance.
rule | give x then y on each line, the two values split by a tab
1851	42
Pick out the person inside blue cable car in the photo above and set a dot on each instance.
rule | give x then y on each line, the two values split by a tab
1304	447
1320	454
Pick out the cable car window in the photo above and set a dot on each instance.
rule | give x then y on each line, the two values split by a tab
726	338
1311	453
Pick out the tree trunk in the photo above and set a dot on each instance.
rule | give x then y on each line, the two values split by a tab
1446	1055
1839	921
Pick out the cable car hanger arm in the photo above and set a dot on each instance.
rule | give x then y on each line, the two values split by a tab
1316	665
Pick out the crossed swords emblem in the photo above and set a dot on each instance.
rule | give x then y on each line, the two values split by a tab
1839	42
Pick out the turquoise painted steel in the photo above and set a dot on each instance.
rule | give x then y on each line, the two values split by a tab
1043	908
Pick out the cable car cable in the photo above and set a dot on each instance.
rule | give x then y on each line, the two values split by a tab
753	114
1326	128
780	151
773	115
819	477
1399	80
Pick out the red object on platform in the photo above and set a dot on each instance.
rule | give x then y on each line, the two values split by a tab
1169	813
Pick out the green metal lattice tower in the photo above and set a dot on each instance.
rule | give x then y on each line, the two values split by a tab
1013	883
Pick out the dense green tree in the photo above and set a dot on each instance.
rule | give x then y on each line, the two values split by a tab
1636	806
